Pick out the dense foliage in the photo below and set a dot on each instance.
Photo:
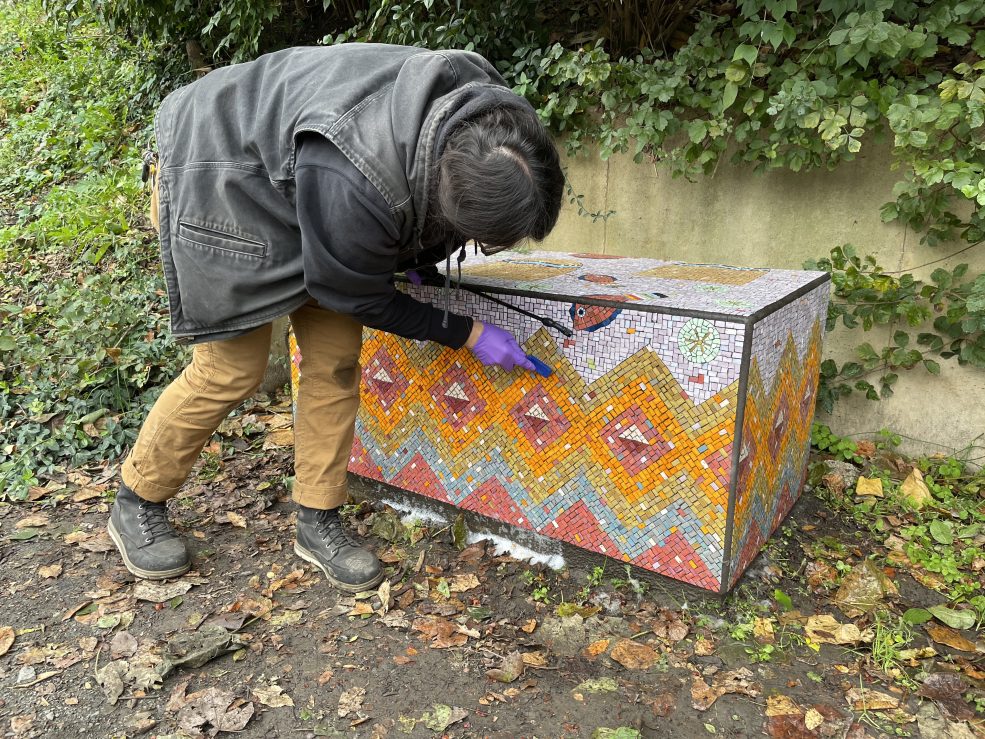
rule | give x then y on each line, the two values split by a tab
82	339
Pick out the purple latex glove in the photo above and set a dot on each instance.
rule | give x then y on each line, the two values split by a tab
414	277
498	347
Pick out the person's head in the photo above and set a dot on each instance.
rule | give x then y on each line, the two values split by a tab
499	179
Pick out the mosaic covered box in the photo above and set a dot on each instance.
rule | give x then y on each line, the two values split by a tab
673	433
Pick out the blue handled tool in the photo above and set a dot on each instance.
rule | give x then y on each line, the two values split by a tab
542	369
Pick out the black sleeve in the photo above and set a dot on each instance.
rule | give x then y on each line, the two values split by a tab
349	243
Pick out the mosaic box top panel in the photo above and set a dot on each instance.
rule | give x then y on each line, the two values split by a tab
647	284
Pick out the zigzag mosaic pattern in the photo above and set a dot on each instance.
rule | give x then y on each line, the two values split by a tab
628	448
776	429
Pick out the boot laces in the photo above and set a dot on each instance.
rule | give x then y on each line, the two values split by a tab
332	530
153	518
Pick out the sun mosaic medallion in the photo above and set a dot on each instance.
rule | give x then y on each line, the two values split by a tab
699	341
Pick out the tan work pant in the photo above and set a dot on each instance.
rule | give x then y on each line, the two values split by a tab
222	374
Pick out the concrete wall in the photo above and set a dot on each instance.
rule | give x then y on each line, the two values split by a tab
781	219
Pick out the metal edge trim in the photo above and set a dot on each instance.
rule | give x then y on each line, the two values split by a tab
740	417
789	298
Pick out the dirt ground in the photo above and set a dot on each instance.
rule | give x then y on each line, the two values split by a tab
458	642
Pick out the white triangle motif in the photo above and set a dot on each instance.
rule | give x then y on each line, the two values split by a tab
633	433
537	412
456	391
383	376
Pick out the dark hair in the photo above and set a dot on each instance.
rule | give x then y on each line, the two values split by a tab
500	179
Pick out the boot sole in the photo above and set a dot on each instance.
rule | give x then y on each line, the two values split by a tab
307	556
145	574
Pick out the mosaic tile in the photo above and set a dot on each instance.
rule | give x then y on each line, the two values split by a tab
672	435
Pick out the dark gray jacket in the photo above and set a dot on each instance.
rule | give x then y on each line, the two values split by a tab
230	240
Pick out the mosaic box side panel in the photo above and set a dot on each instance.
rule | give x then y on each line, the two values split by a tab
779	409
624	462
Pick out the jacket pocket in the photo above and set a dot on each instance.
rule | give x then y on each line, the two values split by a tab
218	274
210	238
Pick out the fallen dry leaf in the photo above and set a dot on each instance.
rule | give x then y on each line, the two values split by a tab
863	699
703	646
509	670
596	648
813	718
158	592
273	696
279	438
915	490
123	645
782	705
933	725
633	655
703	696
290	580
463	583
949	637
361	609
383	593
236	519
49	572
869	486
38	519
825	629
529	626
6	639
325	677
214	708
444	634
111	677
351	701
98	541
762	630
947	690
863	589
535	659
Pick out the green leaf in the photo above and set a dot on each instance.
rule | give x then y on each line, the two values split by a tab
941	531
7	343
954	619
932	367
697	130
621	732
728	97
24	534
783	600
916	616
736	73
745	52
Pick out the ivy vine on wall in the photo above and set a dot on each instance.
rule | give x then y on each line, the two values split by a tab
785	84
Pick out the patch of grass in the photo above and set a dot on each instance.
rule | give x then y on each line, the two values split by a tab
891	635
940	542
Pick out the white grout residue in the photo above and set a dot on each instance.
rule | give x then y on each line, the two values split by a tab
528	547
